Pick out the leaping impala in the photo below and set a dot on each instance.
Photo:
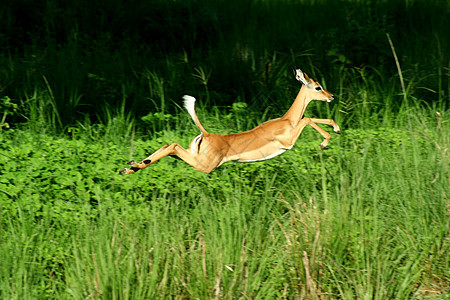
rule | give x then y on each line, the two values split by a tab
208	151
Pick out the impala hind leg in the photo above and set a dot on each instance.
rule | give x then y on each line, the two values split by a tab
202	165
143	164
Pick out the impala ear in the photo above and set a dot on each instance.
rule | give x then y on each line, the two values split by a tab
300	76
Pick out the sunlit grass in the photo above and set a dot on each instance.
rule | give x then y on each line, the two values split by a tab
367	218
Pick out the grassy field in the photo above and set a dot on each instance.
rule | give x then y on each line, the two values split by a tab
85	89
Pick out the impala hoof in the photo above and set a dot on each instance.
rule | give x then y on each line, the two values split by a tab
129	171
134	165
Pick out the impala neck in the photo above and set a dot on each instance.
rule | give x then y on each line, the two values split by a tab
297	109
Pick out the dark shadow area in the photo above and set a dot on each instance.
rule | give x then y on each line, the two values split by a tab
94	55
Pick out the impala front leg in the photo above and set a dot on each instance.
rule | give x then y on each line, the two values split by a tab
325	134
329	122
308	121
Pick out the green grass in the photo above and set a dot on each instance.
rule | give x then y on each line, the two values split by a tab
85	89
367	218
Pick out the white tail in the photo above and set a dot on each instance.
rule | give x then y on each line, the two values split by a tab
189	104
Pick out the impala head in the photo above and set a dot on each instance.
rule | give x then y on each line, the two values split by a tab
313	88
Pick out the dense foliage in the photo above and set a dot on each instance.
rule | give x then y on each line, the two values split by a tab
84	88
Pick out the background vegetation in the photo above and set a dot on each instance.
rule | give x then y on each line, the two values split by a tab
86	87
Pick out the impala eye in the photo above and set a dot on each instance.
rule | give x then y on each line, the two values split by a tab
318	88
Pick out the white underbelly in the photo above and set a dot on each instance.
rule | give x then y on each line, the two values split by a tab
260	156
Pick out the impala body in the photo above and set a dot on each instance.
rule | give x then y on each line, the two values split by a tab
208	151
